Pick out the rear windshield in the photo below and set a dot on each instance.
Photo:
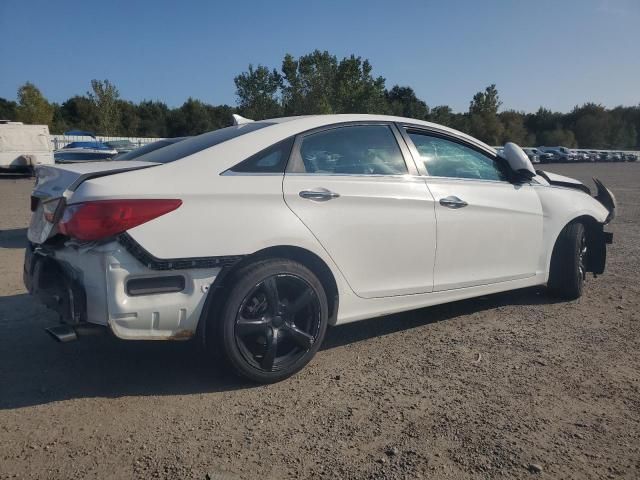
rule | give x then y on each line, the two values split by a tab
148	148
193	145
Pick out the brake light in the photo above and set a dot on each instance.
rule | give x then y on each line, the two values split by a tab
105	218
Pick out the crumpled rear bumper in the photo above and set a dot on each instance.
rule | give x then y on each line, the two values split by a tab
106	285
54	286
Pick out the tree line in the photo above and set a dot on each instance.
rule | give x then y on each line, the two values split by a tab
320	83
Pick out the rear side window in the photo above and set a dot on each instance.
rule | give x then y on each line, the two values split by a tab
270	160
351	150
196	144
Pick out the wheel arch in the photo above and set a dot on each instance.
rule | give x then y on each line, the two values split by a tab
595	242
317	265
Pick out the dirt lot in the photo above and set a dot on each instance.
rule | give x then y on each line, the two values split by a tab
556	385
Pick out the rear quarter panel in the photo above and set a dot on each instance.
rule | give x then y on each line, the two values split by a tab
220	215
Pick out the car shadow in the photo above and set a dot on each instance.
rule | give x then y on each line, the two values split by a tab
13	238
35	369
376	327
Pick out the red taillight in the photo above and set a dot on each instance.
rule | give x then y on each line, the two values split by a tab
105	218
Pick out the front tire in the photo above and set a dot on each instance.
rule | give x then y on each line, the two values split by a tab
273	321
569	262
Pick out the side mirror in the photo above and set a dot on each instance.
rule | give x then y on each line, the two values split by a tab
518	160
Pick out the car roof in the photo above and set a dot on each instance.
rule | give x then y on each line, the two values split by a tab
302	123
227	153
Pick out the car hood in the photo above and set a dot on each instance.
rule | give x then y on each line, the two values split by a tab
603	194
561	181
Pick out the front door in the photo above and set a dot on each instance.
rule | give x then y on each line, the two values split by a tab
489	230
351	186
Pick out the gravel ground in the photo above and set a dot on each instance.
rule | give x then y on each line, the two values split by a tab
512	385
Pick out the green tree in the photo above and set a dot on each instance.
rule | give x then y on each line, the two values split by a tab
623	127
357	90
153	119
442	115
486	102
104	96
318	83
404	102
32	106
190	119
58	124
8	109
557	137
220	116
514	129
483	116
78	113
258	92
590	124
195	117
309	83
128	120
542	121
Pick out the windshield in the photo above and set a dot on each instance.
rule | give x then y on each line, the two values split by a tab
196	144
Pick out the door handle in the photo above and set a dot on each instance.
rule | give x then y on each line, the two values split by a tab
320	194
453	202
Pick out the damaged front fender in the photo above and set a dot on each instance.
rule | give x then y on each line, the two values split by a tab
606	198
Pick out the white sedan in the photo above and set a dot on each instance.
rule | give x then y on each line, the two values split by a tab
254	238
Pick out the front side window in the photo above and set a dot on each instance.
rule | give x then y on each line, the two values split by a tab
352	150
444	158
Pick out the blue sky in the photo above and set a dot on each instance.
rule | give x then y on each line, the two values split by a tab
539	52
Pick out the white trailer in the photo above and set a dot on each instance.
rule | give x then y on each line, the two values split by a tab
23	147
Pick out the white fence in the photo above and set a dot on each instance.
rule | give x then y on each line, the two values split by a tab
60	141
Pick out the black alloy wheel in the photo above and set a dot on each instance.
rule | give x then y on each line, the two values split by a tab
274	320
277	322
569	262
582	257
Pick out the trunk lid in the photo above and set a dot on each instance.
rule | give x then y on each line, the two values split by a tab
54	180
55	185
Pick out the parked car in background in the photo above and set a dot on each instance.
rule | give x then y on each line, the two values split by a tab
630	157
581	155
83	151
24	147
618	156
604	156
255	237
593	155
532	153
560	154
545	157
148	148
121	146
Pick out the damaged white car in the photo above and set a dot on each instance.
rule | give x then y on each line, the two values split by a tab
256	237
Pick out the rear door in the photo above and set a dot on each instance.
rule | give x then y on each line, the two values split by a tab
489	229
352	186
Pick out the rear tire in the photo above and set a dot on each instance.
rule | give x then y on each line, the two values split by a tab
273	321
568	263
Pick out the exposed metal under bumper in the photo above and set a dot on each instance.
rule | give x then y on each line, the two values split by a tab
63	333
